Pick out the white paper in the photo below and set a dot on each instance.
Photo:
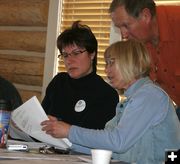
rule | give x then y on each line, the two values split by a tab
16	133
28	118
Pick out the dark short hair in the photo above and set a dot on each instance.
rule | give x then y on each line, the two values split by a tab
82	36
134	7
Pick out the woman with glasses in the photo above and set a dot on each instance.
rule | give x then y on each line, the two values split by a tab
79	96
145	125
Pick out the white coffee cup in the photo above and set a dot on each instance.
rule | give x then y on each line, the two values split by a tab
100	156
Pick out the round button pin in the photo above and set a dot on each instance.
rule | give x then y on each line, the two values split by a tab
80	106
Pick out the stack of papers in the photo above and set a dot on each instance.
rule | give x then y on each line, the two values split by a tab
28	118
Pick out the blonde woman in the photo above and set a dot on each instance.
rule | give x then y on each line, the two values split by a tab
145	125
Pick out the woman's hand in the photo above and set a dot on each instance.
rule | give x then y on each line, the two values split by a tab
55	128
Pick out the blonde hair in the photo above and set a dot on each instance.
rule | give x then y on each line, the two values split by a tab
131	57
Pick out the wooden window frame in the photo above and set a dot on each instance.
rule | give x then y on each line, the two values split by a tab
53	30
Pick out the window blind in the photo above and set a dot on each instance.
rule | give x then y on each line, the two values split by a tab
93	13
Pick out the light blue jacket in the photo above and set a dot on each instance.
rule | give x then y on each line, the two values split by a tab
145	126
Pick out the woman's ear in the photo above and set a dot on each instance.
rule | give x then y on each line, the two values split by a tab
92	55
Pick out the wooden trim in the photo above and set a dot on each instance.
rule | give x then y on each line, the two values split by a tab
28	87
50	68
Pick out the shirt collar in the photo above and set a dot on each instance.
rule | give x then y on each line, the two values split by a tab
134	87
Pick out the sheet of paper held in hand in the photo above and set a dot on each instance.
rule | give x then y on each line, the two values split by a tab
28	118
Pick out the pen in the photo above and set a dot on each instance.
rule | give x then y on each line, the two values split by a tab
17	147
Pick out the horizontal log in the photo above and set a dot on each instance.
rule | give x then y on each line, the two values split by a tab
21	53
21	64
28	91
17	40
28	87
22	69
23	28
23	79
26	94
24	12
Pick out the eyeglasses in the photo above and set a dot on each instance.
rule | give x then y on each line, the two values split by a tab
109	61
75	53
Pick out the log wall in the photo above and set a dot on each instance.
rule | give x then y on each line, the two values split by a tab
23	28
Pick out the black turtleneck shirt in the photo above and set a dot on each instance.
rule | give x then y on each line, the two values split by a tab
87	102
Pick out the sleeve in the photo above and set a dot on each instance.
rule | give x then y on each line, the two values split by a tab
51	90
142	112
80	149
46	102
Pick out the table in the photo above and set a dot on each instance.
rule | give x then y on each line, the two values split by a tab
38	162
17	157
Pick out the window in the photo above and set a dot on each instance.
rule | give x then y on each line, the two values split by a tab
93	13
